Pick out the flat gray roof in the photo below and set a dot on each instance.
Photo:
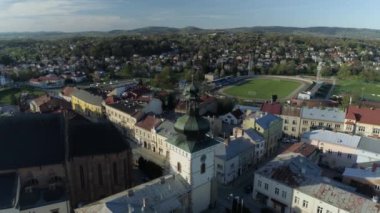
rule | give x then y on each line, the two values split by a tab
333	137
324	114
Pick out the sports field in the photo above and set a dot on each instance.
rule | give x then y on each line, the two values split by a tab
370	91
263	88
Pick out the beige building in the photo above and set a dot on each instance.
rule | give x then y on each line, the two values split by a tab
362	121
339	150
291	120
322	118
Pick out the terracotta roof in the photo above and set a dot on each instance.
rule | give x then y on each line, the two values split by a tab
285	175
42	99
291	111
149	122
363	115
68	91
273	108
304	149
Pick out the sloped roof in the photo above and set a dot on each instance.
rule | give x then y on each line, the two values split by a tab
325	114
161	195
333	137
88	97
253	135
266	120
149	122
363	115
36	140
180	141
86	138
369	144
304	149
271	107
237	146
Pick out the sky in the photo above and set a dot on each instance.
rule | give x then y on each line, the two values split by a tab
105	15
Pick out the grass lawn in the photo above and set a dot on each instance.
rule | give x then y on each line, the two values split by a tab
6	94
371	91
263	88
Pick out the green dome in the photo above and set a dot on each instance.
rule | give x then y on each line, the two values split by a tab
192	126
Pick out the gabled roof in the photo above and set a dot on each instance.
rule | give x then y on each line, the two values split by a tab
363	115
237	146
253	135
266	120
36	140
149	122
271	107
68	91
304	149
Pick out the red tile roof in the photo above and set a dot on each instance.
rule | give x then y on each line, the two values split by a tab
272	108
149	122
302	148
363	115
68	91
42	99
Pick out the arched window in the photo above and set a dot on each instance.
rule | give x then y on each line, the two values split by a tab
179	167
203	168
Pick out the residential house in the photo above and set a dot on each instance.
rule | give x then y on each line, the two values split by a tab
307	150
292	183
339	150
254	137
291	120
235	159
269	126
49	81
362	121
322	118
66	93
87	104
124	115
271	107
48	104
233	118
145	132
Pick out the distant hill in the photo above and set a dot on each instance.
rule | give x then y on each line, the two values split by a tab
313	31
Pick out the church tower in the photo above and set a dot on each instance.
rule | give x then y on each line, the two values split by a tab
192	152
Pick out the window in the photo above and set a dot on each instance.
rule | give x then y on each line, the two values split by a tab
283	194
320	124
361	128
179	169
266	186
285	128
337	126
319	209
203	168
294	122
100	175
348	128
349	156
219	166
81	174
305	204
259	183
296	200
286	121
115	178
376	131
293	129
305	122
277	191
328	125
339	154
329	151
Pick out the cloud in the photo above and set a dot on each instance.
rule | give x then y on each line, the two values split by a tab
59	15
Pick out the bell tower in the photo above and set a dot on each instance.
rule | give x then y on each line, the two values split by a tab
192	151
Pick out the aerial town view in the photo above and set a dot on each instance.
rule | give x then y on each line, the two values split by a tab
215	106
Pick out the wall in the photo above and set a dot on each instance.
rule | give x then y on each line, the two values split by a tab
62	207
312	205
288	126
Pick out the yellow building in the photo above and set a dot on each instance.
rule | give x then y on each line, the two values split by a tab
87	104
